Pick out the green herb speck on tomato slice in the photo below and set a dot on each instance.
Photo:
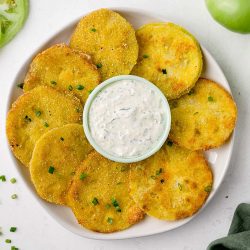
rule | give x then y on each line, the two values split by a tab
13	14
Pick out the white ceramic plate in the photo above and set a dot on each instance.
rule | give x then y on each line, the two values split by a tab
218	158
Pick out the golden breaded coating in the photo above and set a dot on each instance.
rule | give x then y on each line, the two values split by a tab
110	41
64	69
172	184
99	196
55	159
204	118
35	113
169	57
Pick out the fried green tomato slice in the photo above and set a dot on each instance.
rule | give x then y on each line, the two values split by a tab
64	69
109	39
172	184
35	113
99	196
204	118
169	57
55	159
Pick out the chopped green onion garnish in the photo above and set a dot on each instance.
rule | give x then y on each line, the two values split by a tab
152	177
62	139
145	56
180	186
118	209
7	241
20	85
124	168
13	229
210	99
93	30
174	104
27	119
90	91
13	196
13	180
46	124
14	248
99	65
191	92
110	220
83	176
51	169
80	87
70	88
95	201
164	71
108	206
38	113
208	189
159	171
3	178
170	143
114	202
116	205
53	82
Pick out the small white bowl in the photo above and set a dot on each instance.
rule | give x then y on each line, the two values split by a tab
154	148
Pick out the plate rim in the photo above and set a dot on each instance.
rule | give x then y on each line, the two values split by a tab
111	236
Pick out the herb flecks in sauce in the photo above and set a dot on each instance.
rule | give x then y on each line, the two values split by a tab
127	118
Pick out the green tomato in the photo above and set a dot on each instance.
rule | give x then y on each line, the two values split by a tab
13	14
232	14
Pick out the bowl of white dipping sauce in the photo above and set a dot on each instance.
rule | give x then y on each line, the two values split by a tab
126	118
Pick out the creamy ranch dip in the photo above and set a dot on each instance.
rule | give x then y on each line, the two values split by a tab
127	118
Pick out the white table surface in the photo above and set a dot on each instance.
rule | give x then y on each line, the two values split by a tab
36	230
